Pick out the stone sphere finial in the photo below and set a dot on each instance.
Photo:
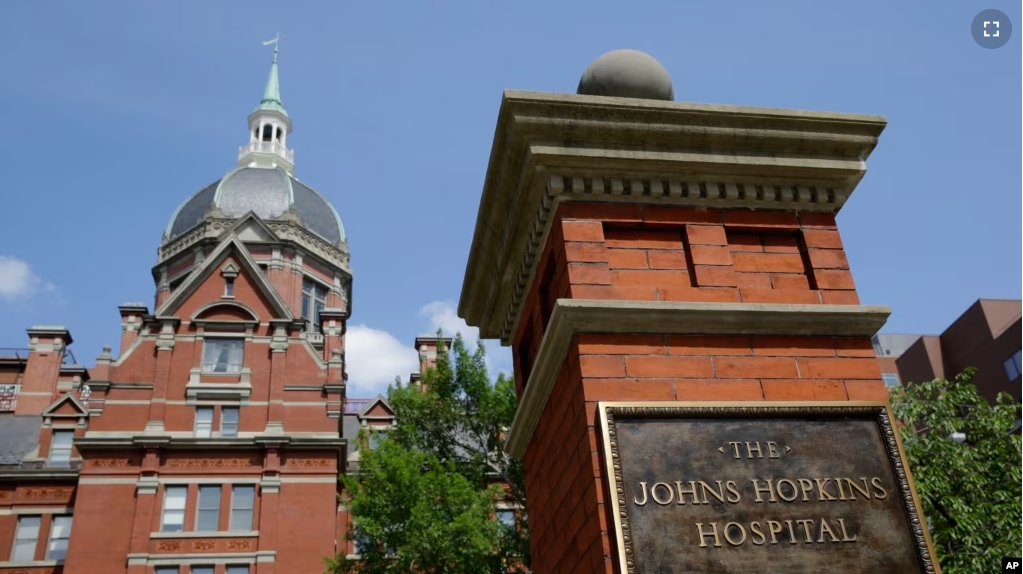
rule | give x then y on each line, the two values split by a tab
627	74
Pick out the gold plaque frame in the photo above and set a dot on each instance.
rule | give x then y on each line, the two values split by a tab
878	411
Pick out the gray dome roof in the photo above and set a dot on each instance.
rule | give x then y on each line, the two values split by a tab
266	191
627	74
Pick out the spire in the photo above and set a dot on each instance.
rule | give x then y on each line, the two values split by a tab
272	94
269	126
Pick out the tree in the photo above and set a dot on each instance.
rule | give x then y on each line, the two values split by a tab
965	458
425	499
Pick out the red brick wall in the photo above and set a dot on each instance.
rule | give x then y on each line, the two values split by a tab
567	516
101	530
631	252
306	516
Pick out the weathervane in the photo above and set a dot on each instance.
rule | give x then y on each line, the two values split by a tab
276	42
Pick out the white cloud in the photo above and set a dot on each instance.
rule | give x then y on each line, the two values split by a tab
376	357
17	281
442	315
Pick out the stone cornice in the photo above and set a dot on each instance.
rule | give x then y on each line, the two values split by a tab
20	475
289	233
192	443
574	316
550	148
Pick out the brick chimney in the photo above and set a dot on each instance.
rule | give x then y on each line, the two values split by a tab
131	324
428	347
47	345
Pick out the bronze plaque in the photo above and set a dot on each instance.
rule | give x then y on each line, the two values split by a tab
775	487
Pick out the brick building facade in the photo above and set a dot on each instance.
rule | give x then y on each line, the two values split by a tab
210	442
987	337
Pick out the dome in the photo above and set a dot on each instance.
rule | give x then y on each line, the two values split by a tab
627	74
268	192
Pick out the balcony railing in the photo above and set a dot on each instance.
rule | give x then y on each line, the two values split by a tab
267	147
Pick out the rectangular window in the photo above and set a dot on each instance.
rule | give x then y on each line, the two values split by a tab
890	379
202	570
229	287
173	519
207	517
60	531
362	542
166	570
60	447
240	569
229	421
242	501
506	516
314	299
203	422
375	436
1013	367
25	538
223	356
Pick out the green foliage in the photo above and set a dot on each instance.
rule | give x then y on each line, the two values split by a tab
971	492
417	514
426	496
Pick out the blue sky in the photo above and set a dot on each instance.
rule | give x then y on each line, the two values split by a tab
116	111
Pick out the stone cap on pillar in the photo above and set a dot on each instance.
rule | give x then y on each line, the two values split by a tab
133	309
332	314
553	148
50	332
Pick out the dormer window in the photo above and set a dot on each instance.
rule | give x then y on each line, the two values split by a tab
223	356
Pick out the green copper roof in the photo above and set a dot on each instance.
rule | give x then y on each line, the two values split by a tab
272	94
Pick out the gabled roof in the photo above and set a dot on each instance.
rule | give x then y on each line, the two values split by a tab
251	228
230	245
66	398
378	401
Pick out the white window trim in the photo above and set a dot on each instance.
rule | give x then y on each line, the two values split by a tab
50	541
164	508
207	432
210	338
232	508
237	423
199	509
14	542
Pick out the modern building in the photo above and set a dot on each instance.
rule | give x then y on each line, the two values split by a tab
986	337
210	439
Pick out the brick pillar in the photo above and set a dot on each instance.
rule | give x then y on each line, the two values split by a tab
131	324
428	347
278	374
42	369
161	381
269	503
650	258
332	325
145	508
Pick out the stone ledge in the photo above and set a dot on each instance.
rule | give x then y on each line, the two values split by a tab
573	316
207	534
